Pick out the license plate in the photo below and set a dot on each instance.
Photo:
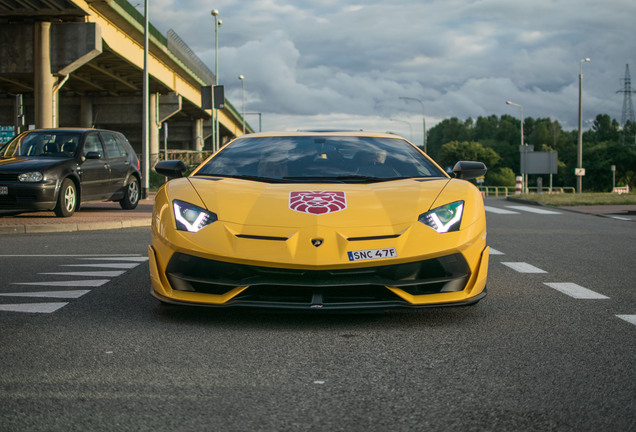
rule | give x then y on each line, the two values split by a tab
372	254
4	190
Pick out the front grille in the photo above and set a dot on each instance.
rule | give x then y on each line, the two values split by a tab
311	287
8	177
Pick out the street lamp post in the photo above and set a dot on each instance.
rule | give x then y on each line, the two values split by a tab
410	127
579	147
242	78
217	24
423	119
145	95
524	175
260	123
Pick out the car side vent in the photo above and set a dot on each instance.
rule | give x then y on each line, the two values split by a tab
383	237
257	237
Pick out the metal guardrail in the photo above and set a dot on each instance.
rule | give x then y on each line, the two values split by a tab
504	191
189	157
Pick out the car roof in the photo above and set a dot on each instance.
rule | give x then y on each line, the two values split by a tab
330	133
70	129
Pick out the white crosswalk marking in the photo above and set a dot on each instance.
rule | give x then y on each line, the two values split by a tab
122	258
105	267
576	291
494	251
71	283
534	210
629	318
523	267
126	266
32	307
49	294
113	273
499	210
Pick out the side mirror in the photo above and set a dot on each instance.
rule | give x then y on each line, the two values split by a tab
171	168
467	170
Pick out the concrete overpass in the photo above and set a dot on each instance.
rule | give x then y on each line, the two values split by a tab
80	63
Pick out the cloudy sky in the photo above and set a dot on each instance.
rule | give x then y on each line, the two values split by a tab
346	63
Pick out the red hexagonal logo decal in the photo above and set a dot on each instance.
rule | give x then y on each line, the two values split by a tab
317	202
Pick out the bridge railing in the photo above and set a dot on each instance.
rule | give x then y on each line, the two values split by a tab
504	191
191	158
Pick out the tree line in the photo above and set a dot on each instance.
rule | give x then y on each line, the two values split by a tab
496	140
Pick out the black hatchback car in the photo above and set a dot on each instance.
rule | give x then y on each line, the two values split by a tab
57	169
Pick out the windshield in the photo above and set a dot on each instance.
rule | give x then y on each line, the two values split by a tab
62	144
320	158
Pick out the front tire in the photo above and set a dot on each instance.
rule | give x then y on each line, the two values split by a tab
67	199
131	195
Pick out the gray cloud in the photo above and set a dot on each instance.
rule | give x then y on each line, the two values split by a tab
335	63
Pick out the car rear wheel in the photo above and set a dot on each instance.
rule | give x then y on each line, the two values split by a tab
67	199
131	195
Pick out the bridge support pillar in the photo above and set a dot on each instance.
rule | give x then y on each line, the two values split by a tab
197	135
43	79
86	112
153	143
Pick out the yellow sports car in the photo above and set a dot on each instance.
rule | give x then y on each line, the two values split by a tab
319	221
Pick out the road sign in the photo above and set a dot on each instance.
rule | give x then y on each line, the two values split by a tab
579	172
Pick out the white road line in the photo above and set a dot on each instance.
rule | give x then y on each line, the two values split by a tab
621	218
119	258
104	265
523	267
73	283
576	291
534	210
72	256
49	294
499	210
32	307
629	318
495	252
113	273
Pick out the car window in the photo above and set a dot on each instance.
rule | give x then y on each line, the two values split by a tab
120	146
320	157
57	144
92	144
113	146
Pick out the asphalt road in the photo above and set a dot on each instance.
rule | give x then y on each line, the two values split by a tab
532	356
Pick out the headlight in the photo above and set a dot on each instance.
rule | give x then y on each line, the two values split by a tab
190	217
31	177
446	218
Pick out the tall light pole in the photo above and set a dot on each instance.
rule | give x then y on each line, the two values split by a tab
423	119
145	96
523	150
217	24
260	117
579	147
242	78
404	121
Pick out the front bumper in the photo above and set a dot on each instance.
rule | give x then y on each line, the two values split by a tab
443	281
28	196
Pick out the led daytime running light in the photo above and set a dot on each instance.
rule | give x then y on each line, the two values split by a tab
190	217
444	219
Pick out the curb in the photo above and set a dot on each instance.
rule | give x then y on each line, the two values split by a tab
71	227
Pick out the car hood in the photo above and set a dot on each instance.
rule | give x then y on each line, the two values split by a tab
301	205
23	164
